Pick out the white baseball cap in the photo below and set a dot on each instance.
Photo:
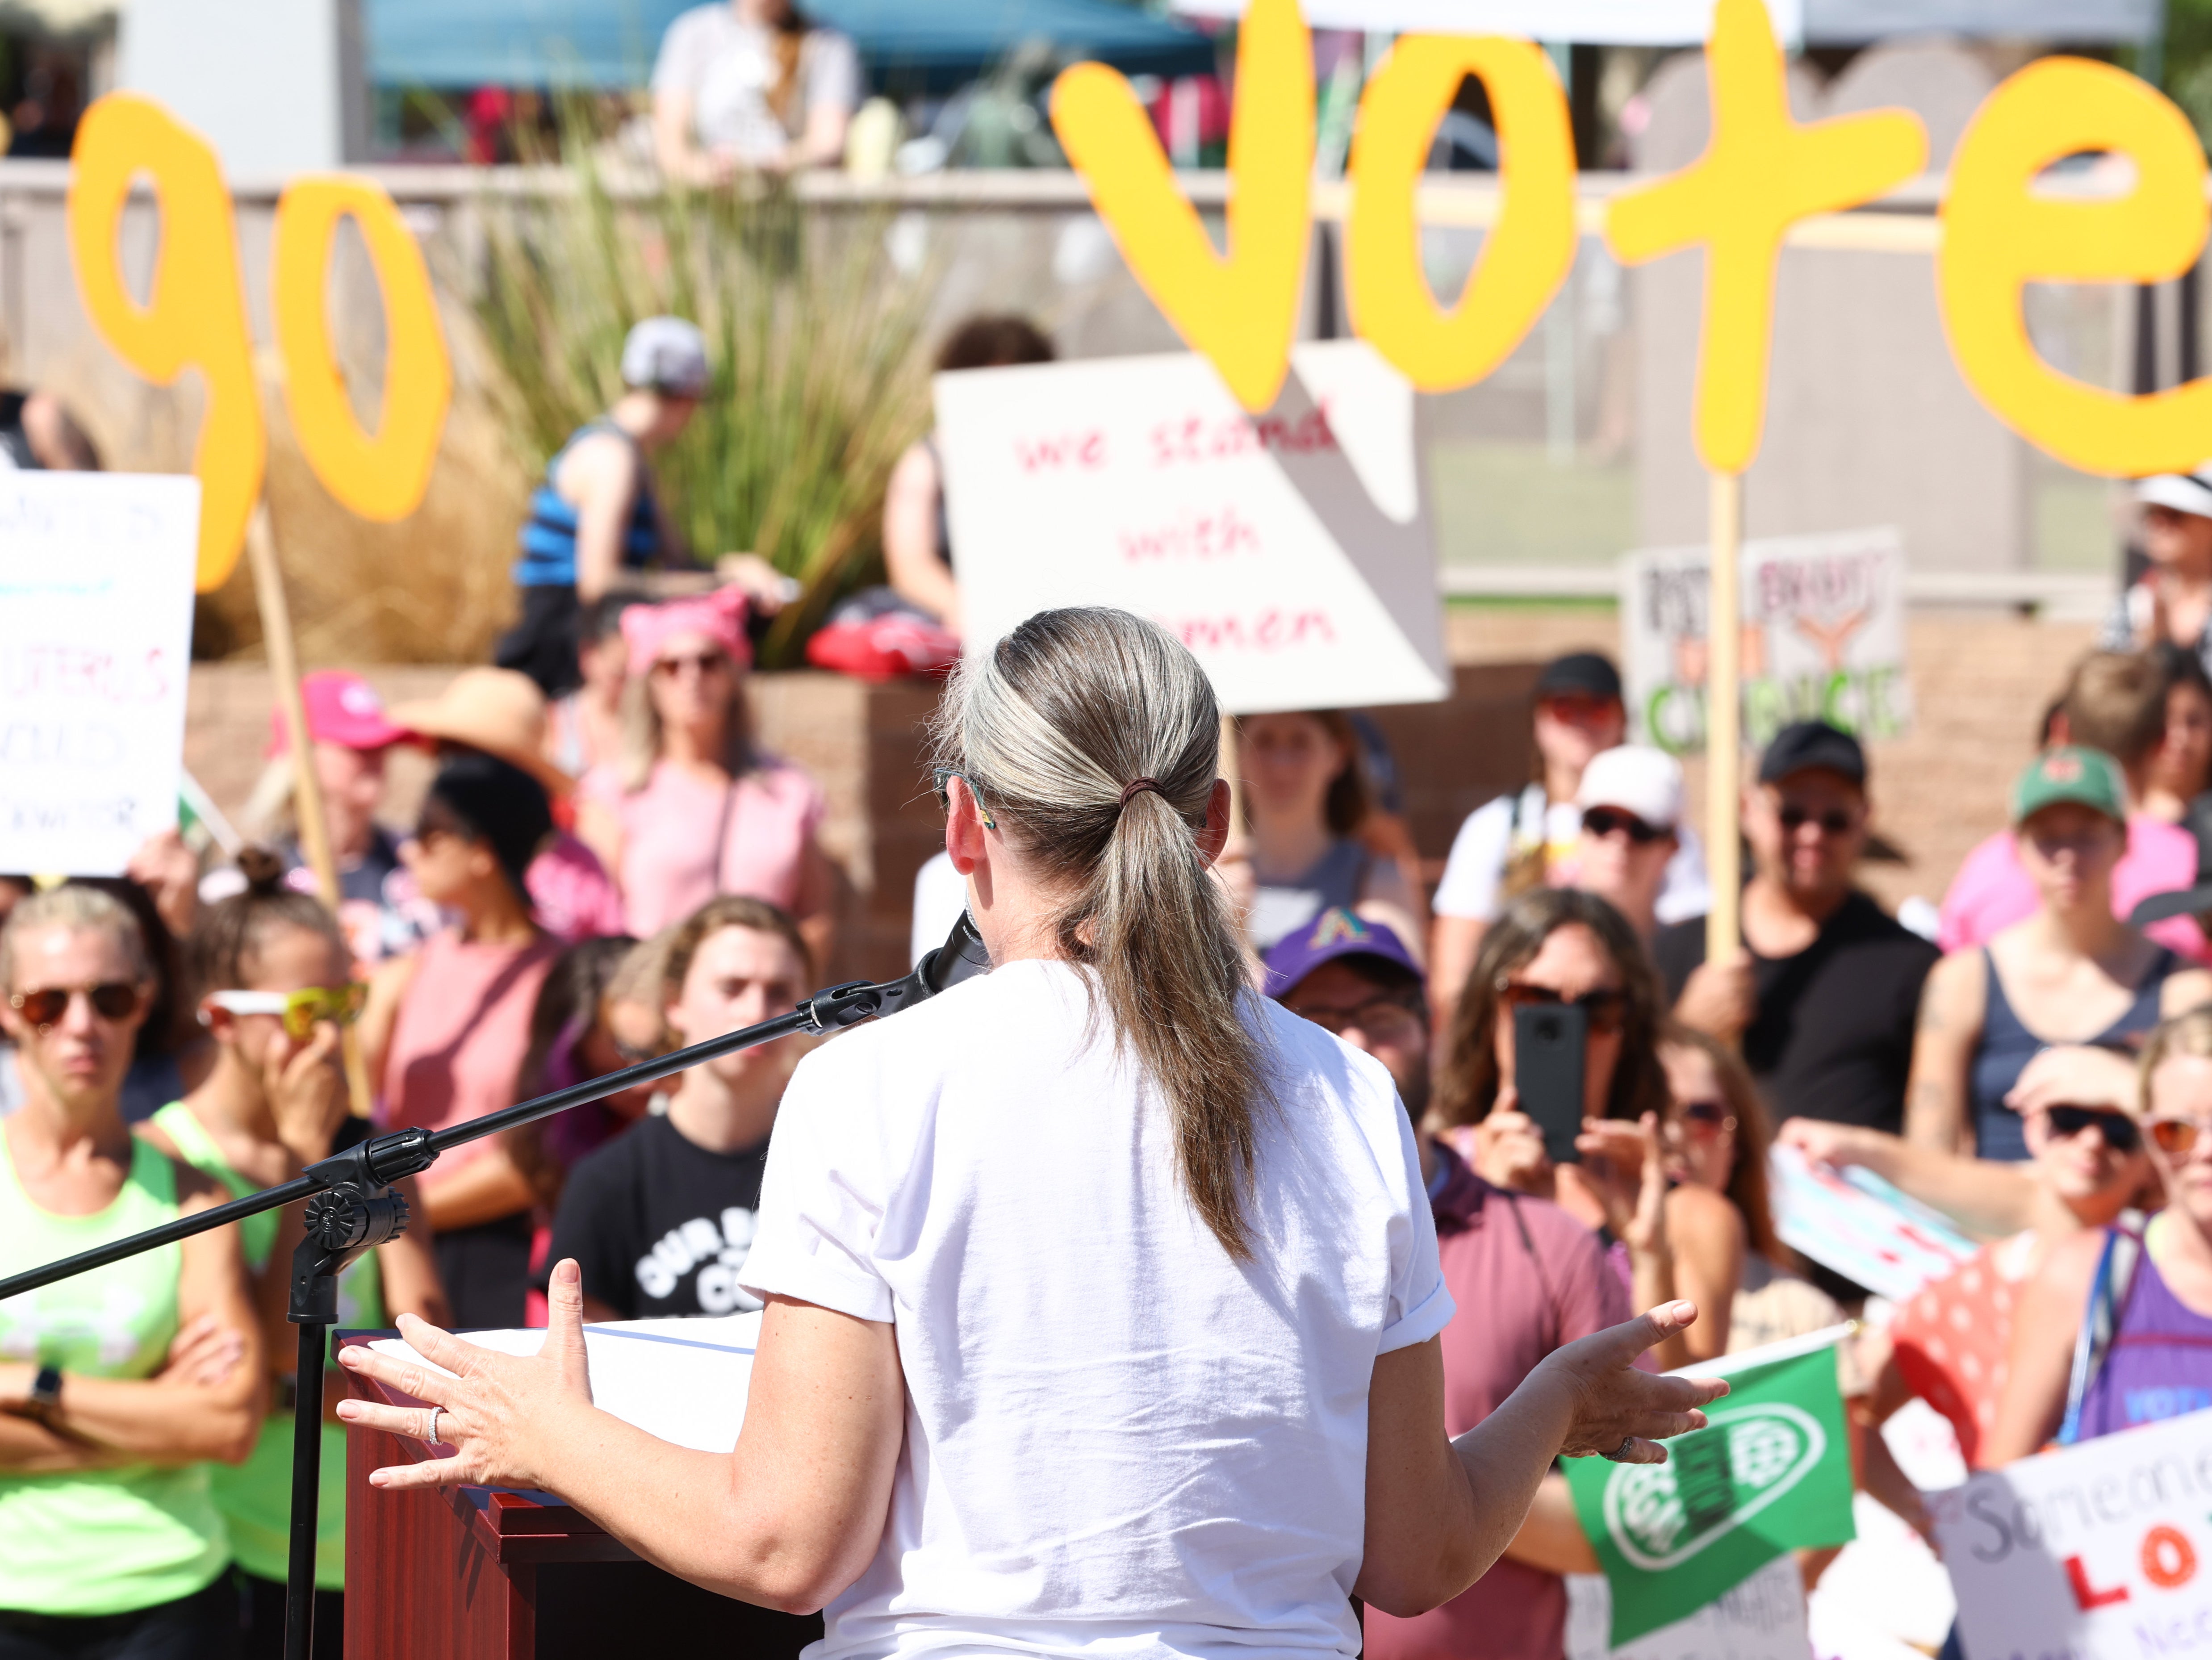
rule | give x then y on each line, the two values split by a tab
2184	492
666	355
1636	779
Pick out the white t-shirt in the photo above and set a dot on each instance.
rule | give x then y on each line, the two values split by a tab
729	67
940	894
1118	1441
1480	852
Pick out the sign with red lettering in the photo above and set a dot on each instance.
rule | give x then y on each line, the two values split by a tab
2097	1551
95	644
1289	551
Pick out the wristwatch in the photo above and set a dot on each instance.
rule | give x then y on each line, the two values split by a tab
47	1392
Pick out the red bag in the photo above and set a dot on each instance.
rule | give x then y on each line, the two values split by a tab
884	647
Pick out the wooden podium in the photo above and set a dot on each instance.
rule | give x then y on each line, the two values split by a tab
455	1574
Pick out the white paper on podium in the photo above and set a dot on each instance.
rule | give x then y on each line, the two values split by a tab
683	1381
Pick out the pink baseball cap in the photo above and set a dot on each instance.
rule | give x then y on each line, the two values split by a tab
343	709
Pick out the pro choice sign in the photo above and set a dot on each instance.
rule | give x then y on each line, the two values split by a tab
2100	1552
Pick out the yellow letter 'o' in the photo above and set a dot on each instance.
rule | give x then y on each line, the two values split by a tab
1527	255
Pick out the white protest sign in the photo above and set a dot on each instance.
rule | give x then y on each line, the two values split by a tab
1290	551
1760	1618
2097	1551
1823	637
95	646
1852	1221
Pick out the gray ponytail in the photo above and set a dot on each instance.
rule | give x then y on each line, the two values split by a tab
1051	729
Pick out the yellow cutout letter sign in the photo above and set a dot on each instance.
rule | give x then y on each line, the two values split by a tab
1998	237
1241	312
196	314
1761	172
381	478
1524	259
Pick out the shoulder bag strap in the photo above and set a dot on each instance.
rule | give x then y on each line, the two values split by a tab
2100	1319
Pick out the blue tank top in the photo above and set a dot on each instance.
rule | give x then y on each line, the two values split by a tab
2159	1365
549	534
2007	1046
1281	908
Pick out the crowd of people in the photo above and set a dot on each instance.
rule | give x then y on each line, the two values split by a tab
607	864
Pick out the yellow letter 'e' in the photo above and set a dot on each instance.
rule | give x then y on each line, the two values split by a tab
1998	236
1527	255
381	478
1241	312
196	317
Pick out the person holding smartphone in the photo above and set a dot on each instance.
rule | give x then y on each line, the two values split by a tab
1552	1076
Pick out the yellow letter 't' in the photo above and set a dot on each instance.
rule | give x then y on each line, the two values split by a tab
1761	172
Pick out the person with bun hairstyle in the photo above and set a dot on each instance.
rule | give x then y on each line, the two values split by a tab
119	1386
446	1029
1103	1293
275	978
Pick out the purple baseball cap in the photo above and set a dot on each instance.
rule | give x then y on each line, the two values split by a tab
1335	933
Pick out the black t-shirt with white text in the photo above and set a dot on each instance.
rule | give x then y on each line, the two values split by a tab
660	1224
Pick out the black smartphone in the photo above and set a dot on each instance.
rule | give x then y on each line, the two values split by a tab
1549	1041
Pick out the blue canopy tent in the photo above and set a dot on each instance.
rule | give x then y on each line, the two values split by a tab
608	43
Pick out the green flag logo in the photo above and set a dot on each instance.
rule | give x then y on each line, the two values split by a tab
1771	1471
1660	1516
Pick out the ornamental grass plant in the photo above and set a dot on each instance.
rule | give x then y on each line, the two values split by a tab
820	377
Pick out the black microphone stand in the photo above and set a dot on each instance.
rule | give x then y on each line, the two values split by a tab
351	1210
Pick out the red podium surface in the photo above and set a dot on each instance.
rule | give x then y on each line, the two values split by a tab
481	1574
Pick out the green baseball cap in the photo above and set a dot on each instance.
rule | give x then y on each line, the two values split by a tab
2088	778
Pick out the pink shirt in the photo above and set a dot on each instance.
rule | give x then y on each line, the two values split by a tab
1991	891
463	1027
672	859
571	891
1519	1295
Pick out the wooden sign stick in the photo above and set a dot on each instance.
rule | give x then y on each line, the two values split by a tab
1723	733
307	788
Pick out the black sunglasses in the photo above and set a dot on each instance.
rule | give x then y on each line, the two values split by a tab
2120	1132
1834	821
1602	822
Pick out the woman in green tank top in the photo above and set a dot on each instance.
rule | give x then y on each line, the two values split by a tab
275	978
116	1387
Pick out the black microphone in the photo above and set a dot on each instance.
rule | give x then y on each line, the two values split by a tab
961	956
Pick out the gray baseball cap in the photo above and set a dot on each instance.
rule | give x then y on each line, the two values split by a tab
666	355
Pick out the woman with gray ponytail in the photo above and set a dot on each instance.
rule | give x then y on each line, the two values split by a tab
1103	1295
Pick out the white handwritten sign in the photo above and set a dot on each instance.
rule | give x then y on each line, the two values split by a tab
95	645
2100	1551
1760	1618
1289	551
1823	637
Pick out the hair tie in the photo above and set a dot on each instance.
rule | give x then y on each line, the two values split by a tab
1138	786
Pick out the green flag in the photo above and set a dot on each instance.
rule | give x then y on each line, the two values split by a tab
1771	1471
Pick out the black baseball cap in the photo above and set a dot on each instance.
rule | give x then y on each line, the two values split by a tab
1805	746
1580	674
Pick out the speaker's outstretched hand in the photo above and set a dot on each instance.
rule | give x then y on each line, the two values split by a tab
1620	1413
493	1415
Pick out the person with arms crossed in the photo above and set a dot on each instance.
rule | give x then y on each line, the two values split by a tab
1185	1399
1524	1276
116	1387
750	86
660	1220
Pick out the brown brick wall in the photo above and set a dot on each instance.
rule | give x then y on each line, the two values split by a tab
1979	684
